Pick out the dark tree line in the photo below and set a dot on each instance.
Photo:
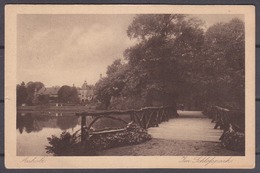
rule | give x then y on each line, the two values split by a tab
26	94
176	61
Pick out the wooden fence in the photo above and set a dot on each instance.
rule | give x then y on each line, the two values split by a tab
145	118
225	118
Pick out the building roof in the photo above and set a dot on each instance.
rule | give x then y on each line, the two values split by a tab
48	91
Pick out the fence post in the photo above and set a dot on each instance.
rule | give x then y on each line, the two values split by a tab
84	132
144	121
157	118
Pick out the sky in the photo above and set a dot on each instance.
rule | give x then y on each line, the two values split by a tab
70	49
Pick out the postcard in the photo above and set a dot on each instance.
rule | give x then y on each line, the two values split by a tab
129	86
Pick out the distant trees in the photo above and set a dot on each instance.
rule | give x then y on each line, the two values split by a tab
67	94
43	99
21	94
31	88
26	93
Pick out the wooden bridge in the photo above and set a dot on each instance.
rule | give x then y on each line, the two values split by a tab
145	118
190	125
162	123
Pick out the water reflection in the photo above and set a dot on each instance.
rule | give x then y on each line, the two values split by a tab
29	122
33	129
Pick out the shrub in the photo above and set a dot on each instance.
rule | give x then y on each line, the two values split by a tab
233	140
69	145
133	135
64	145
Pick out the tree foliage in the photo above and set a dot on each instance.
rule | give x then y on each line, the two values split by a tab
31	88
154	72
21	94
43	99
175	60
26	93
112	85
162	60
221	69
67	94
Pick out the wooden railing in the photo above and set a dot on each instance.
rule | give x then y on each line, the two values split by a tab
145	118
226	119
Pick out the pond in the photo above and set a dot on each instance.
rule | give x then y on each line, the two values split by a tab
33	129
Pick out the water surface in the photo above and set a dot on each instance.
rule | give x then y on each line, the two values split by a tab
33	129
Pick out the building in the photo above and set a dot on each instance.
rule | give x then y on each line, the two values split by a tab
86	93
52	92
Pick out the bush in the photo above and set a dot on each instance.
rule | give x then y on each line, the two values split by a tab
133	135
233	140
65	145
69	145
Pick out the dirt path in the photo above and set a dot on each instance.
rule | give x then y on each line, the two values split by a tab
190	125
162	147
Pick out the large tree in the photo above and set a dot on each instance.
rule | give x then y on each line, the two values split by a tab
159	65
222	66
162	60
174	60
67	94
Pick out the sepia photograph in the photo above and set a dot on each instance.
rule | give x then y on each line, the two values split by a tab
134	83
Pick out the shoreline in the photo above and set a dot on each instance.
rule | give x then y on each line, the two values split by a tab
33	109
